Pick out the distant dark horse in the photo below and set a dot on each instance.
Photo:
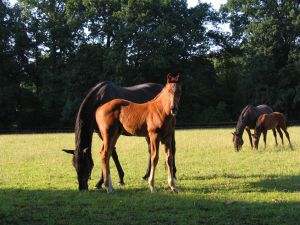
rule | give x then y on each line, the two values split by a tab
86	124
247	120
272	121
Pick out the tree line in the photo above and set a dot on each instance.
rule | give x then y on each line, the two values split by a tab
52	52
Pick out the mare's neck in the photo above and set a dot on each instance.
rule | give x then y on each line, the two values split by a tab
240	127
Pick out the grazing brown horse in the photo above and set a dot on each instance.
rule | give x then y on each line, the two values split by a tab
154	119
86	124
265	122
247	120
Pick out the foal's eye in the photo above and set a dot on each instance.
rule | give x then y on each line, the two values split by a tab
174	88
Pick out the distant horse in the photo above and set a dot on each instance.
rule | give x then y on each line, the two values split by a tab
86	124
154	119
270	121
247	120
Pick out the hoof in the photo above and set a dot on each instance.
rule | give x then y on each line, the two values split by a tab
145	177
175	190
153	190
110	190
97	188
121	184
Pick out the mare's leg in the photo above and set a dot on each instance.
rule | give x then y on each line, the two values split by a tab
280	134
256	140
250	137
173	150
275	136
149	162
169	161
119	168
265	138
154	140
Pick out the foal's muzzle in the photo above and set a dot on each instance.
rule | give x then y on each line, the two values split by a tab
174	111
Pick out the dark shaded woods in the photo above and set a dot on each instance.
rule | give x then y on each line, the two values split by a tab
53	52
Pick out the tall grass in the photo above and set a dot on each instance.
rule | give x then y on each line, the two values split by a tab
218	186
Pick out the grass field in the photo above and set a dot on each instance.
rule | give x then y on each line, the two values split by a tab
218	186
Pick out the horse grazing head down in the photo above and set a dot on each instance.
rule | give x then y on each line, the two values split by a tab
173	86
83	164
237	141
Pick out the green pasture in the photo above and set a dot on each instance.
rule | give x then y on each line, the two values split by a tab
217	185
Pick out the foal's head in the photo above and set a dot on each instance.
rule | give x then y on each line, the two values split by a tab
237	141
173	87
83	164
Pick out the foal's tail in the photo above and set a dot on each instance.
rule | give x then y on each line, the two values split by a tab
85	120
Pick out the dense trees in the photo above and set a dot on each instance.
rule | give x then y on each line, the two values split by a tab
53	51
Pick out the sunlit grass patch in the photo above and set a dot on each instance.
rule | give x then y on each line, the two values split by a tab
218	185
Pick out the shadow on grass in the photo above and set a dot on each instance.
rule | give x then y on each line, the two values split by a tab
279	183
265	183
136	206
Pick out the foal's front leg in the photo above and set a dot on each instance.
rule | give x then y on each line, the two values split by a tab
169	161
154	141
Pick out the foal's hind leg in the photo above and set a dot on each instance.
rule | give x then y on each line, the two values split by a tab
280	134
287	136
275	136
119	168
109	141
250	137
265	138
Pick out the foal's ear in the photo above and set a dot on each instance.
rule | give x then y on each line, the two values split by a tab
169	78
179	78
69	151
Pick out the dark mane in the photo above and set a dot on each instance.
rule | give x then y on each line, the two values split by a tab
241	121
84	126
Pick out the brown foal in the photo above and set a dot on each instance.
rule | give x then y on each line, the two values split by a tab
272	121
154	119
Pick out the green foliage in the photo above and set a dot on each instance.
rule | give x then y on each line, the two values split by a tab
52	52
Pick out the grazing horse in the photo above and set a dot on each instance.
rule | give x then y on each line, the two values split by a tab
154	119
86	124
247	120
265	122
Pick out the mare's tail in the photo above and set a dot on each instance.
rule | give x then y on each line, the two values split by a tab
85	120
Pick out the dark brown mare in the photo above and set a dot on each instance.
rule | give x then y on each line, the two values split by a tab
247	120
86	124
154	119
265	122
